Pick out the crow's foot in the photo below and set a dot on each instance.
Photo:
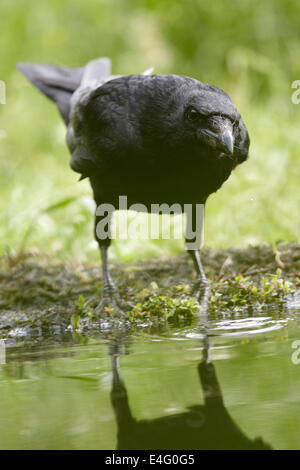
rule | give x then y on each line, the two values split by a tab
112	303
201	291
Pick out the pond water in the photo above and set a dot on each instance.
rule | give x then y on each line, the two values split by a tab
233	385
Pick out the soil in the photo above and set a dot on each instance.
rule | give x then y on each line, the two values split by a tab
43	298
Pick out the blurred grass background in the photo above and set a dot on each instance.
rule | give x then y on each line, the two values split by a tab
247	47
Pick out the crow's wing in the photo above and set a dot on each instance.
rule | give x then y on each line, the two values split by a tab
94	75
93	79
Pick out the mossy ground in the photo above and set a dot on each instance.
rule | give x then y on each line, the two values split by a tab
41	297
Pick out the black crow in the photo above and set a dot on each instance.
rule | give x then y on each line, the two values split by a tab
156	139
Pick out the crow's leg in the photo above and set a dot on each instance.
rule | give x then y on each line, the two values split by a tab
202	281
193	239
201	287
110	295
109	290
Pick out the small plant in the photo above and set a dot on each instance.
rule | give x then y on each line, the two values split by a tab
75	322
82	306
176	304
242	291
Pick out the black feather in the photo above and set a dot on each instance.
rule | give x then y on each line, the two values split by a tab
57	83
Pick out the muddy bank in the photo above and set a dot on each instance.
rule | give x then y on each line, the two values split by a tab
43	298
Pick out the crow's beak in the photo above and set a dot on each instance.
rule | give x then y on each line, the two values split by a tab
227	140
222	141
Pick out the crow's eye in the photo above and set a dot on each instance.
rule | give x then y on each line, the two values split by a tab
192	114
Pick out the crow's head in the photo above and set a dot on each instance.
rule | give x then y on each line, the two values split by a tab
183	115
206	119
212	130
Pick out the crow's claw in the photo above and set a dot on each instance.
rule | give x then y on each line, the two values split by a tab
111	300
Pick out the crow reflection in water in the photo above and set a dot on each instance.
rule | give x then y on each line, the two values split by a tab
207	426
156	139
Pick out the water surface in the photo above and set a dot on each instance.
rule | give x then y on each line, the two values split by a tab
158	390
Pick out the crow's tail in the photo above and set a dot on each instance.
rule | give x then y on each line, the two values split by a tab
59	83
